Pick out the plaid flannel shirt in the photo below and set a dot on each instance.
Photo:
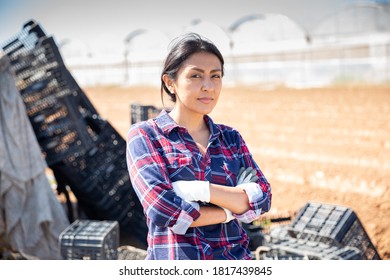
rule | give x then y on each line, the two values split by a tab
160	152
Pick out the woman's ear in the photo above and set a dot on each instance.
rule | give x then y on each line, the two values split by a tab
168	83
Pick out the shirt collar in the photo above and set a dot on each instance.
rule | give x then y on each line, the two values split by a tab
167	124
215	131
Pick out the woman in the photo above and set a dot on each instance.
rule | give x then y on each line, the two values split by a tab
185	168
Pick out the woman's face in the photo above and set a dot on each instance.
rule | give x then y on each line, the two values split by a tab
198	84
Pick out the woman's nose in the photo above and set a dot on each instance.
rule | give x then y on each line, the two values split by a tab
207	84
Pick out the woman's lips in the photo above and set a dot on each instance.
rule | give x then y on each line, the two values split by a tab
205	100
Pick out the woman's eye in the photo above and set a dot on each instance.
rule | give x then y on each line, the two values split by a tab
217	76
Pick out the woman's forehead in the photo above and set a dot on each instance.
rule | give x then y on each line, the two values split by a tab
202	61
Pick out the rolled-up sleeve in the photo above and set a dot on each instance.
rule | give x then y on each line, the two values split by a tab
259	198
150	180
258	202
185	219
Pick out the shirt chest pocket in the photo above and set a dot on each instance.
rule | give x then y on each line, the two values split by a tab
179	167
226	171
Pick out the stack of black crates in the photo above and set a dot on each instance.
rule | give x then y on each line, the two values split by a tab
84	151
320	231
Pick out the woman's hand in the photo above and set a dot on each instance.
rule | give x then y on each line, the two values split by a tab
246	176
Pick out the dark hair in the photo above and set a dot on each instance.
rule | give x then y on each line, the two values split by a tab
181	49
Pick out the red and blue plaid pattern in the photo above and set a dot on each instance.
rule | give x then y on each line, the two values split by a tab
160	152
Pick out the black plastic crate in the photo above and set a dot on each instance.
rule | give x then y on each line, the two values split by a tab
34	65
279	233
26	39
90	240
140	113
357	237
296	249
334	225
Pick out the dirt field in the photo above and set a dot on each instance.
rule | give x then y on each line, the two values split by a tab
327	145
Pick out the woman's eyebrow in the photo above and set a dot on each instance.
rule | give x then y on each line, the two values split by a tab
202	71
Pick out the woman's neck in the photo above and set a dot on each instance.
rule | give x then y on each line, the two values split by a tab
192	122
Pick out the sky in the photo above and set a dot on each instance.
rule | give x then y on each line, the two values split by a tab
97	29
96	23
